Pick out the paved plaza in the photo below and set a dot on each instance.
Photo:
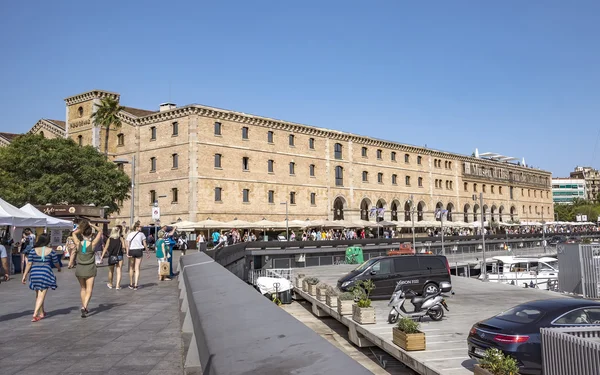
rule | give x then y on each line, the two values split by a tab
126	331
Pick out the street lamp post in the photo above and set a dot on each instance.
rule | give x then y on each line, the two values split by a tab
287	227
484	268
412	219
132	209
543	231
442	212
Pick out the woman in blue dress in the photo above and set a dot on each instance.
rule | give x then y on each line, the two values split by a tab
41	278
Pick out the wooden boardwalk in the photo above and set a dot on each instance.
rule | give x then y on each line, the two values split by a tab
446	352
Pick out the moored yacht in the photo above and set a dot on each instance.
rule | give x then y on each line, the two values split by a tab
524	272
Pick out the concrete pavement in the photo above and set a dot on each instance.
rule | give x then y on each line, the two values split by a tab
126	332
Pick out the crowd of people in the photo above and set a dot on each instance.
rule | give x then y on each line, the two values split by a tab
38	258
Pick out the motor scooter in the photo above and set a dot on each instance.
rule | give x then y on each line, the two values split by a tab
432	305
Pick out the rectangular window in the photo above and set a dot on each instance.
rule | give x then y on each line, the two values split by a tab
175	128
407	180
291	139
270	166
292	197
270	137
153	133
380	178
152	164
407	158
292	168
419	159
271	196
246	195
218	191
420	181
175	195
80	140
175	161
379	154
393	156
245	132
339	176
394	179
120	139
218	160
311	143
311	170
313	199
152	196
365	176
218	128
364	152
245	163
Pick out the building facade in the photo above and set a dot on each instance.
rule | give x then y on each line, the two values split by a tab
202	162
591	177
565	190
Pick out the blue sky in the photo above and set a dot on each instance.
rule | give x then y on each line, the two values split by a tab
520	78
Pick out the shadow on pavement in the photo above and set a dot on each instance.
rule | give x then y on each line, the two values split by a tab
51	313
104	307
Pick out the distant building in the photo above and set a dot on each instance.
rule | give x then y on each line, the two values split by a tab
199	162
592	181
6	138
565	190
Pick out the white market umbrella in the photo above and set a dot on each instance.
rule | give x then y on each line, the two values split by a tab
347	224
299	224
269	224
51	222
209	224
238	224
185	225
11	215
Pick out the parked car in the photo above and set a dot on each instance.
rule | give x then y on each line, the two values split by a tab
517	331
420	273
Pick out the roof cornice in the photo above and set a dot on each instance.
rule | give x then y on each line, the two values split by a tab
49	126
94	94
226	115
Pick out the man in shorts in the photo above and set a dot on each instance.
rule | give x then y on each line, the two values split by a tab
4	263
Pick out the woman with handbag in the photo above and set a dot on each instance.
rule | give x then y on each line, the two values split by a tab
114	247
162	254
135	252
86	261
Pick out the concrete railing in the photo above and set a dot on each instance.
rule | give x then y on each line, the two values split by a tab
571	350
235	330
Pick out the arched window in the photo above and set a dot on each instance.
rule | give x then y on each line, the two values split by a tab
42	134
121	139
80	140
80	111
394	211
420	209
338	151
407	212
338	209
364	210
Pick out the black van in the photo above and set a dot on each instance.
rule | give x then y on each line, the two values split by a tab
421	273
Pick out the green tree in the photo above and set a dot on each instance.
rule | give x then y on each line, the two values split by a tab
37	170
106	117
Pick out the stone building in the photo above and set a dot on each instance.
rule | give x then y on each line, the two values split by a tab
203	162
592	181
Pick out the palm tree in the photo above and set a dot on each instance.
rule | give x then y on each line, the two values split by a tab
106	117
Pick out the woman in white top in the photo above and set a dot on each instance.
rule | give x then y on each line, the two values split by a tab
137	246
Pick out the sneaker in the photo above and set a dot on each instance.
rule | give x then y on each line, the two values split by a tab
135	287
109	286
130	286
118	288
83	312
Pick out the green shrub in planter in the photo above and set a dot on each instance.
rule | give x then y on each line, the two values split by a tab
331	291
312	280
496	362
346	296
362	292
407	325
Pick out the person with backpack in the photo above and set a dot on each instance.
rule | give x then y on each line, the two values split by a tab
115	247
86	261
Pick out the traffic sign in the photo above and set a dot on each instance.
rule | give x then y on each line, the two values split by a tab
155	213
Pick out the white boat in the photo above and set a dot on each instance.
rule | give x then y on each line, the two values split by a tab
524	272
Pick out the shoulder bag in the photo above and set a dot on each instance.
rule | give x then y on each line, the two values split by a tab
114	259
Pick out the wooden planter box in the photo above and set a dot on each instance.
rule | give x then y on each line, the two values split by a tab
408	342
481	371
344	307
312	290
298	283
304	286
331	301
363	315
321	294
